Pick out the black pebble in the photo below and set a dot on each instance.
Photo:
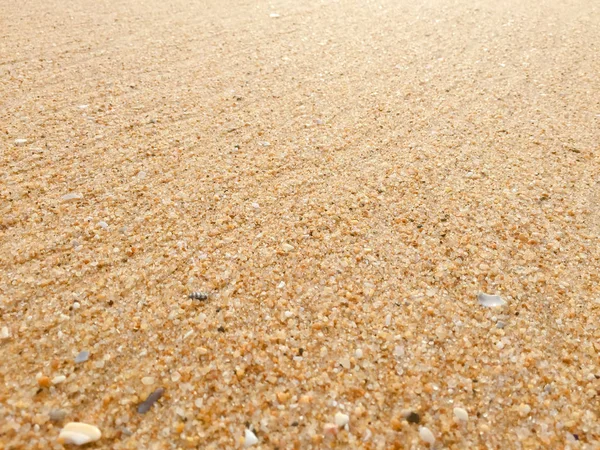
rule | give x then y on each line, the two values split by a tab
221	329
413	417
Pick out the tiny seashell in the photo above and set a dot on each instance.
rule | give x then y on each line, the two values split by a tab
490	301
198	295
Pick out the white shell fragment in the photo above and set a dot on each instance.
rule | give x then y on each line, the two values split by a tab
274	16
490	301
20	141
58	379
426	434
79	433
461	414
249	438
341	419
71	197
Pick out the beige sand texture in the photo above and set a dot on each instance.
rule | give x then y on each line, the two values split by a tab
344	178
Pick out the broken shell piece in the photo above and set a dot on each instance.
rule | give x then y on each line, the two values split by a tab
249	438
341	419
79	433
71	197
490	301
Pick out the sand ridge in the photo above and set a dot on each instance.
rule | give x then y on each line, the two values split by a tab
343	178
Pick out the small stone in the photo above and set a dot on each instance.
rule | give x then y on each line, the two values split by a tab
58	379
249	438
274	16
44	381
490	301
71	197
145	406
20	142
330	428
358	353
524	409
341	419
103	225
57	415
4	333
255	205
83	356
287	247
461	414
79	433
148	381
345	363
426	434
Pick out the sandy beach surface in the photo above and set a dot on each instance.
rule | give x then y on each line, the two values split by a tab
342	179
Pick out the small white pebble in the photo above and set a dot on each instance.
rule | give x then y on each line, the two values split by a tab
274	16
58	379
341	419
461	414
288	314
175	377
20	141
255	205
345	362
388	320
76	305
249	438
4	333
82	106
287	247
79	433
103	224
398	351
358	353
148	381
426	434
281	285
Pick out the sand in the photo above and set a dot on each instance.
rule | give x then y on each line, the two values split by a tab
342	178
